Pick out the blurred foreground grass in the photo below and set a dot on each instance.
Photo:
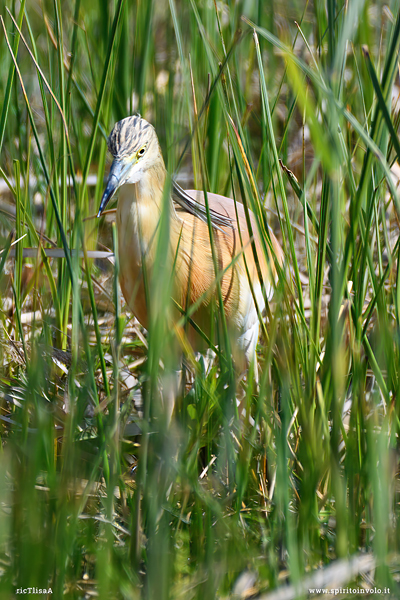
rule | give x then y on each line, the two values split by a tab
97	495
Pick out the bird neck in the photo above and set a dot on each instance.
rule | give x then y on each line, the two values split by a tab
150	186
149	192
139	210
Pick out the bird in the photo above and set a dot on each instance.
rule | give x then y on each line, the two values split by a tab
138	176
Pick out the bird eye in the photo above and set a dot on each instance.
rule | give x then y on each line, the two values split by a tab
141	151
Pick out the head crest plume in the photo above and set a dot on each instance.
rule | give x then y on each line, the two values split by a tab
129	135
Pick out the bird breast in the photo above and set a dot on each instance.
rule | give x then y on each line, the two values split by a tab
137	223
191	257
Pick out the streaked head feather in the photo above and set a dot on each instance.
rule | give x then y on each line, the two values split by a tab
129	135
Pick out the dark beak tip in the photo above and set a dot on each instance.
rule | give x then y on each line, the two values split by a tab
101	208
104	201
113	182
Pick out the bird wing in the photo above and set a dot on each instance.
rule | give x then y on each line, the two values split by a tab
189	203
233	214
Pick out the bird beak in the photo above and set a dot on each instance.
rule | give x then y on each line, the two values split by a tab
115	179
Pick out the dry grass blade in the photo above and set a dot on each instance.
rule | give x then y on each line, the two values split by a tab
337	575
60	253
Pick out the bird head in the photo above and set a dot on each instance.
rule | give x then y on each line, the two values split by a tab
134	146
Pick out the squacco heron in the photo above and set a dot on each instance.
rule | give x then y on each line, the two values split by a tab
138	173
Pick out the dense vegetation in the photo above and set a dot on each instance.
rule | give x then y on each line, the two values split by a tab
294	108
